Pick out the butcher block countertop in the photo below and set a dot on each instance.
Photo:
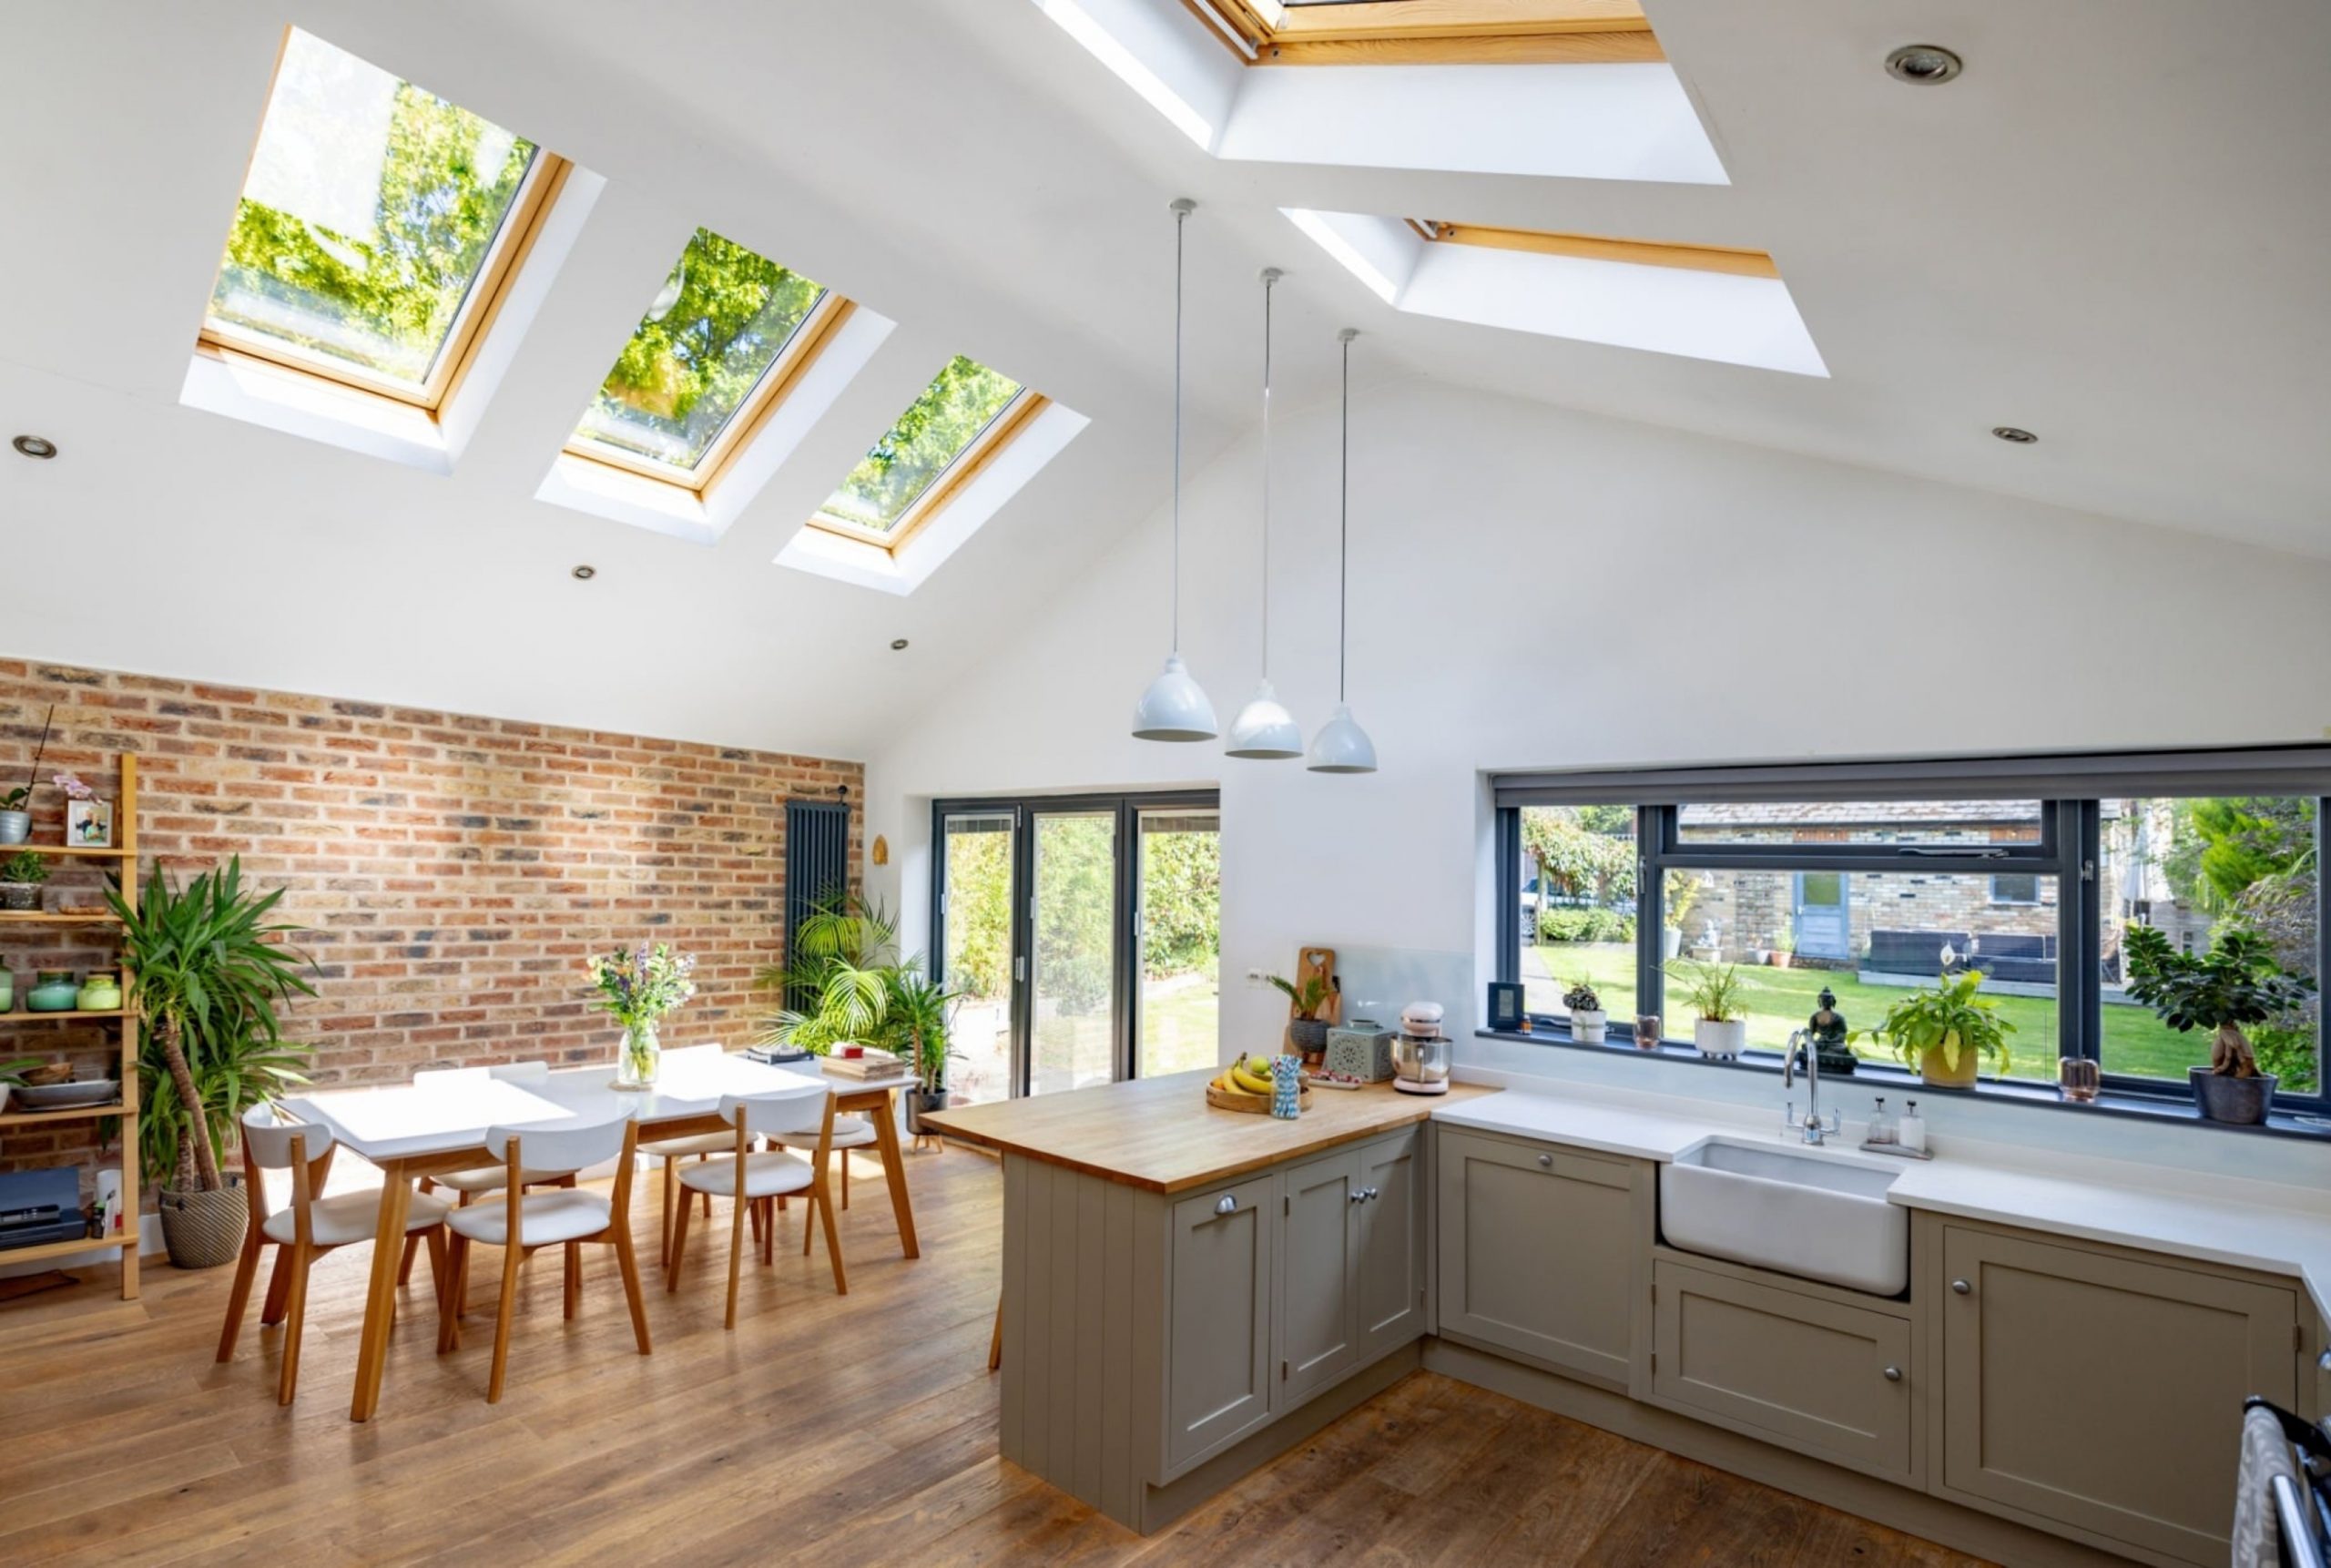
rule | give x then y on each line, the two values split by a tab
1160	1134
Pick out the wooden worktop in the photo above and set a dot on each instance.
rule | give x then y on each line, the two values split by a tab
1161	1134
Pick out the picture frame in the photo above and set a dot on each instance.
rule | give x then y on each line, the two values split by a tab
88	824
1505	1005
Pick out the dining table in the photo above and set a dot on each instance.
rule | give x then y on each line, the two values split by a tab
439	1123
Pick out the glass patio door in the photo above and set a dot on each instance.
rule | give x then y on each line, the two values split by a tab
977	853
1073	981
1177	1022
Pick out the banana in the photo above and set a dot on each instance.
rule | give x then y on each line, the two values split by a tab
1248	1079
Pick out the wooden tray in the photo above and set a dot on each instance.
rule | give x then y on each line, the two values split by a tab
1260	1104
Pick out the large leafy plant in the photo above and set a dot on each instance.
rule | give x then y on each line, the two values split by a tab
2237	981
209	971
847	986
1950	1018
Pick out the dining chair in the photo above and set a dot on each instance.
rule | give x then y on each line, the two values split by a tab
672	1151
310	1227
760	1180
849	1133
469	1185
524	1223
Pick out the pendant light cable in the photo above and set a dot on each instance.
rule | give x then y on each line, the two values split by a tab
1181	215
1343	528
1270	281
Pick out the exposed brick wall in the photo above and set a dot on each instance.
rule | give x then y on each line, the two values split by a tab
450	873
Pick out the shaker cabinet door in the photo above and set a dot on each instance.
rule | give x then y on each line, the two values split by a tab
1389	1282
1318	1227
1219	1351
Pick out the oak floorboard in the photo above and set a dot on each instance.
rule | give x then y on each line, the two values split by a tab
824	1432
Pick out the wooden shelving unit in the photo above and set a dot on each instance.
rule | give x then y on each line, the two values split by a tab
124	853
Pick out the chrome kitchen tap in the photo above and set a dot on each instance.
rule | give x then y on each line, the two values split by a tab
1813	1126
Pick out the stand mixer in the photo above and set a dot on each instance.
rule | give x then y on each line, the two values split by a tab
1421	1053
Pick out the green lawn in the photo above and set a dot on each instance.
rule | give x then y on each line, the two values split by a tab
1781	999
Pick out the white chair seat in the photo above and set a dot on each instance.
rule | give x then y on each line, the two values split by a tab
488	1178
352	1217
766	1175
849	1132
703	1143
567	1214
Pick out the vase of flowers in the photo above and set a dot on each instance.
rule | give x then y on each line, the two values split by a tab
636	988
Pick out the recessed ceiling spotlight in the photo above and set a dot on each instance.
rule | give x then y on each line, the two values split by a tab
583	574
34	445
2010	433
1923	63
898	644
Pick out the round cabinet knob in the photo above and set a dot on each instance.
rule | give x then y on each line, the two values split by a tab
1893	1374
1963	1287
1547	1161
1228	1205
1367	1192
1357	1195
2323	1362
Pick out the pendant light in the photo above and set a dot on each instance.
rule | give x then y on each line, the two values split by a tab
1175	708
1342	746
1264	730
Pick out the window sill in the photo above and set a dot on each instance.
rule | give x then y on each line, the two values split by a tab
1891	1079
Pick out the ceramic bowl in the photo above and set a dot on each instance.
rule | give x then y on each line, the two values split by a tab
63	1096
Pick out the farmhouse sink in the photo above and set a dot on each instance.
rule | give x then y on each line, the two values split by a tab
1819	1215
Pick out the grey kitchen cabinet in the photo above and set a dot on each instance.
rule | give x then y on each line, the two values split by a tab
1390	1256
2101	1391
1320	1203
1807	1372
1219	1319
1538	1250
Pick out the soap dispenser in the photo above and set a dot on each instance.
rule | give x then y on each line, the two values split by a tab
1881	1126
1913	1130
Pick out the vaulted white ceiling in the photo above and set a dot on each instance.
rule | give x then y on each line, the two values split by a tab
2111	231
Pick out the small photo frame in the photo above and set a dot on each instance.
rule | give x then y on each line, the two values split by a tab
88	824
1505	1005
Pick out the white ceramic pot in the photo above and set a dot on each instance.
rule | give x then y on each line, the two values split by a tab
1588	1027
1671	941
16	827
1720	1039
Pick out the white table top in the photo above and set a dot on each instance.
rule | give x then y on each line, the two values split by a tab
444	1114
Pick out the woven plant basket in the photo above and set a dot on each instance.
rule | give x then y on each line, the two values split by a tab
203	1230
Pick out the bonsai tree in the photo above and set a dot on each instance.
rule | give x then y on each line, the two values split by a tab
1581	998
1949	1023
2237	981
209	971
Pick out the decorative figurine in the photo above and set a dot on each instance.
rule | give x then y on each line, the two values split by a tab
1827	1030
1287	1087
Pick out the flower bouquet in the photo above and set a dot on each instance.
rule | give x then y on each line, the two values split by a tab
636	988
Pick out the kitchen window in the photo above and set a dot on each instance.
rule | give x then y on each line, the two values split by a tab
1874	880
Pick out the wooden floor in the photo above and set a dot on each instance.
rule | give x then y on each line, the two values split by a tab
846	1432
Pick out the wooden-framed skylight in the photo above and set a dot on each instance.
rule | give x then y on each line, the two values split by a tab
1432	31
1740	262
959	424
378	231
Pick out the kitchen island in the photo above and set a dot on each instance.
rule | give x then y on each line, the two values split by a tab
1187	1291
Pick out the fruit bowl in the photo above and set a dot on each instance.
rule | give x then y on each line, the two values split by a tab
1244	1086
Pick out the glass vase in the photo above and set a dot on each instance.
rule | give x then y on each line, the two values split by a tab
640	1056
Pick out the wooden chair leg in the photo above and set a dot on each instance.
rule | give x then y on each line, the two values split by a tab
663	1236
995	1340
824	1204
511	1255
404	1264
768	1231
629	1268
441	1278
449	1320
279	1289
573	1279
736	1252
239	1299
288	1383
845	1178
755	1208
679	1245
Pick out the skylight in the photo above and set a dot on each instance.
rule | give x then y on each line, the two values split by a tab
377	227
1434	32
898	483
723	338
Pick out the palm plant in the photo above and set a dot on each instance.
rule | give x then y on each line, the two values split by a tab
208	971
836	980
918	1019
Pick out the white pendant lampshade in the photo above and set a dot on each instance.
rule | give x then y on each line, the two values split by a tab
1175	708
1263	730
1342	746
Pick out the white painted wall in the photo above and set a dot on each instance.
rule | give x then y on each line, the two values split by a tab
1533	588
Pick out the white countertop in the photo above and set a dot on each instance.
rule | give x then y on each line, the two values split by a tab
2263	1226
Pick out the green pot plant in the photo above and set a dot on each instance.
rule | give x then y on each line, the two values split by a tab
21	876
1784	950
1679	892
210	972
918	1019
2237	981
1588	1022
15	815
1947	1033
1719	1016
846	985
1307	1028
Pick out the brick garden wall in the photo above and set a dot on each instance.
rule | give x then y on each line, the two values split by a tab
449	873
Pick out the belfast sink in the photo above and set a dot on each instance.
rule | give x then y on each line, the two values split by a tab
1818	1215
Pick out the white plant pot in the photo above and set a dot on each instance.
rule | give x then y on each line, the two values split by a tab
1671	941
1588	1028
1720	1039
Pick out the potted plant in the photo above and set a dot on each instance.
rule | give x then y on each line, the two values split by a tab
1308	1028
1947	1032
835	984
1680	891
20	879
1784	948
15	819
1588	1022
2237	981
1720	1020
916	1022
208	971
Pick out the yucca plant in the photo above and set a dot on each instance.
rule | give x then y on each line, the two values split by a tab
209	970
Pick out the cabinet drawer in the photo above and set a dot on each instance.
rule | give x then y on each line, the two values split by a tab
1812	1375
1219	1319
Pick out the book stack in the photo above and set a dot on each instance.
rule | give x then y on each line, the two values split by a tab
874	1063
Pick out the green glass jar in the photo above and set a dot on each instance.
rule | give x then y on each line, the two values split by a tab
56	991
7	988
100	993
